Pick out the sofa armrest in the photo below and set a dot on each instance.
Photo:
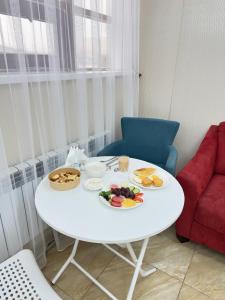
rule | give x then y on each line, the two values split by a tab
190	183
194	179
171	160
112	149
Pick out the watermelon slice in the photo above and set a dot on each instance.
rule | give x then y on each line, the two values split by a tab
117	199
116	204
114	186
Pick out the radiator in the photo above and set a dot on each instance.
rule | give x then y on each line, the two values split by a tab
28	174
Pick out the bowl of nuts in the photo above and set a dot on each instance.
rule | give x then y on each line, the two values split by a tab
64	179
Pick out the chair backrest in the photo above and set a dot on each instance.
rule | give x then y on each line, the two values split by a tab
148	139
21	278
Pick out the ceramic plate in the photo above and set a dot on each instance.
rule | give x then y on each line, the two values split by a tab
107	203
162	175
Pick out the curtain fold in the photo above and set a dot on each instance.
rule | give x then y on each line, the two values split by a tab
68	72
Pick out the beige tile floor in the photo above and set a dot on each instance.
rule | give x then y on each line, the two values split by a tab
184	272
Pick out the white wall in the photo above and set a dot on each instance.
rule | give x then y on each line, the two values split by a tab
182	61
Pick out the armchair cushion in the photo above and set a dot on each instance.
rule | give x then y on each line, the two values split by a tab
220	161
211	205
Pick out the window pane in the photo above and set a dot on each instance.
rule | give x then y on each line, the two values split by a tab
37	36
90	43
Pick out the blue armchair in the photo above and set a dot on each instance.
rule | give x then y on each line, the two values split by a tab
147	139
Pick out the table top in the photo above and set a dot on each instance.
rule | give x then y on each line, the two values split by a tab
79	213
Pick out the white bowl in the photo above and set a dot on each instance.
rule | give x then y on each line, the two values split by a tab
95	169
93	184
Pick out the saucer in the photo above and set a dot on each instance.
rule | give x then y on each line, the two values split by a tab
93	184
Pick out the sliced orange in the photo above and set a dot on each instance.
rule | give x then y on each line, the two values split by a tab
127	202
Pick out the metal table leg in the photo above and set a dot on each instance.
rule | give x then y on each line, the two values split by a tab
136	263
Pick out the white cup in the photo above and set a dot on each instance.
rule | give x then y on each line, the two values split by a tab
95	169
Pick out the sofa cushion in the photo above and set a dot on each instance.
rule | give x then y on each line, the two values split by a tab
210	211
220	160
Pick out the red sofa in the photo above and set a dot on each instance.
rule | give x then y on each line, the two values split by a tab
203	182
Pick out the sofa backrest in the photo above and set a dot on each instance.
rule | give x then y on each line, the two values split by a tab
220	158
200	168
147	138
205	157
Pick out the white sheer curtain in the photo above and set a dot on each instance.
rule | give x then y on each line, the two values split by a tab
68	72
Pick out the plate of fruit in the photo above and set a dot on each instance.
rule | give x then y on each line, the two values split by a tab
121	197
149	178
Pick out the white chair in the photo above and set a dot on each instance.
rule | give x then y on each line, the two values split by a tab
21	278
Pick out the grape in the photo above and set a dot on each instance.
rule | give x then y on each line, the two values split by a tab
116	191
123	192
132	195
127	194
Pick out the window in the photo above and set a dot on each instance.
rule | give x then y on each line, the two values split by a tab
35	44
35	36
91	28
76	36
24	37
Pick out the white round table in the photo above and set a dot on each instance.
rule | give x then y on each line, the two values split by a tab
79	214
